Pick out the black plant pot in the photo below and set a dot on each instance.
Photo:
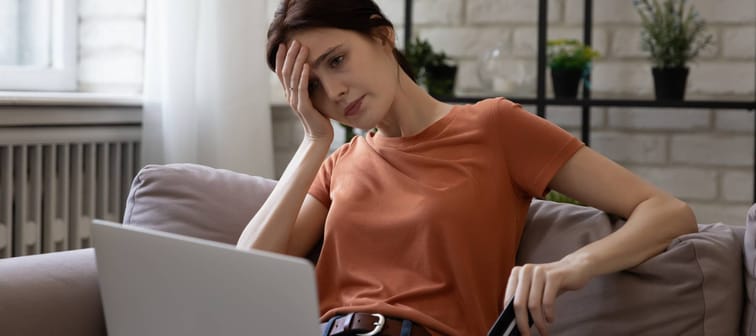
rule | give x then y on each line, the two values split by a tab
669	83
440	79
566	82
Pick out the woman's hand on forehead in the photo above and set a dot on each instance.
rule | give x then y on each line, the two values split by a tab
294	74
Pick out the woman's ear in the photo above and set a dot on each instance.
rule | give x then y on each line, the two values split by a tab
384	34
386	37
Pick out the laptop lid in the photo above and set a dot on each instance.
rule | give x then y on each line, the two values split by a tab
158	283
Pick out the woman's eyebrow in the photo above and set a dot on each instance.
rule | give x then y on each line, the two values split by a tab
324	55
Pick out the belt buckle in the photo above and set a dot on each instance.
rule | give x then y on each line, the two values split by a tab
378	325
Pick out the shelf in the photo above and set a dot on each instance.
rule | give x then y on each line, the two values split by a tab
601	102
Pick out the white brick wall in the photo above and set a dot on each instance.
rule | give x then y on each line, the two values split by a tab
604	11
525	40
738	43
571	117
464	42
694	184
712	150
710	212
658	118
722	78
630	148
628	77
727	11
446	12
703	156
626	42
736	121
737	186
509	11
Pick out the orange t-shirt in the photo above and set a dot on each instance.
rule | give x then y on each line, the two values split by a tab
427	227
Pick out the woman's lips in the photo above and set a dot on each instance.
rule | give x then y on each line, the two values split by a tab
354	107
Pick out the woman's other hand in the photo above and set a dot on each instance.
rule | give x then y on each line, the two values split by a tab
294	74
535	287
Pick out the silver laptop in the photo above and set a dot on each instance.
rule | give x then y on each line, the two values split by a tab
157	283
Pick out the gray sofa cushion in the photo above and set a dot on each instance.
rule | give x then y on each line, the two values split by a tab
195	200
692	288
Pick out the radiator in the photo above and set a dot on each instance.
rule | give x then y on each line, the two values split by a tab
51	190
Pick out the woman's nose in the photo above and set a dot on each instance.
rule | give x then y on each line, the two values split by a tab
333	88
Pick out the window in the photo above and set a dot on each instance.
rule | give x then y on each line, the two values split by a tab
38	45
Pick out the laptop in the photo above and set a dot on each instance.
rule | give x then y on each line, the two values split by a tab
158	283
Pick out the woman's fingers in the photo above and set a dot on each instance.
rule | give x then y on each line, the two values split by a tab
514	276
521	297
288	65
302	92
550	293
280	57
296	72
535	299
536	287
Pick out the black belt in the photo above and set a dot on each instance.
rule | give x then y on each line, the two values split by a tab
365	324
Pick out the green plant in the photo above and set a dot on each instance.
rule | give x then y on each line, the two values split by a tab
428	66
673	33
420	54
555	196
569	54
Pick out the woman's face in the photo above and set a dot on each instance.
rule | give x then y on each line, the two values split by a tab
353	78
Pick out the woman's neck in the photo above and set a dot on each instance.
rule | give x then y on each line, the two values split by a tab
413	110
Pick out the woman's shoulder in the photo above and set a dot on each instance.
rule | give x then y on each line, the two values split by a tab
348	148
496	105
492	110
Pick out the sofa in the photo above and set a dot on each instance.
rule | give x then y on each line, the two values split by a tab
702	284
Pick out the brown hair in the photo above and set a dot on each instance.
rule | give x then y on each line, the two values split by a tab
361	16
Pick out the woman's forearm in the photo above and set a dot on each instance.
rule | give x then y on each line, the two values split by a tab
271	226
650	228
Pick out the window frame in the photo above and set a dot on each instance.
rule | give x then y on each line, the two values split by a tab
62	74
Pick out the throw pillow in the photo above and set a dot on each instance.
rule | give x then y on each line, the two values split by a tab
195	200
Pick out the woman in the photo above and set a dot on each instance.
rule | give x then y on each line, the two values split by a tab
422	218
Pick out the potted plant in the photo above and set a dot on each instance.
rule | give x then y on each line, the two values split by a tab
569	62
674	34
432	69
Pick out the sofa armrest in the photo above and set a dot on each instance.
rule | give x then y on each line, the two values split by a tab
51	294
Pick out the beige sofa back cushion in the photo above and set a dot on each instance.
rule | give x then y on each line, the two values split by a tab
195	200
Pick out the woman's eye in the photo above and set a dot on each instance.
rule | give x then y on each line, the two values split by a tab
336	61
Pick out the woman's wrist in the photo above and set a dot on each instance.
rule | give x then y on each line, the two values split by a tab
582	262
323	141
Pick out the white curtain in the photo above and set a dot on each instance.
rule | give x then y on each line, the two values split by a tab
206	92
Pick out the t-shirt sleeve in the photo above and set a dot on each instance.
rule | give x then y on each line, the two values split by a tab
321	186
535	148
